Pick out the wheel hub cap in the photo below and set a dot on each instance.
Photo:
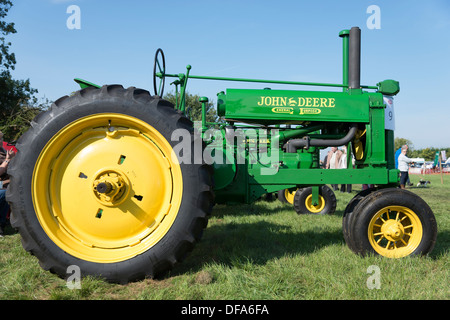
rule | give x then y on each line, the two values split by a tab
393	230
110	187
315	208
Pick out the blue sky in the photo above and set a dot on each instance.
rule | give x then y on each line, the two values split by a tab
279	40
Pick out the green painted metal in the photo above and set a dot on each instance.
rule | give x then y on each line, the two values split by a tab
182	81
85	84
315	195
295	114
389	87
299	83
293	133
204	101
261	125
283	106
344	35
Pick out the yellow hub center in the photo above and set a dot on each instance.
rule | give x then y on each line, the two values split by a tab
315	207
392	230
110	187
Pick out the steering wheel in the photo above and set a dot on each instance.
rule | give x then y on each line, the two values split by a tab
159	71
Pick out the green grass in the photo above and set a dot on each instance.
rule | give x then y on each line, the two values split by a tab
257	252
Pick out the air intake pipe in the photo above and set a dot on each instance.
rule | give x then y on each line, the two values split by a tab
354	59
293	145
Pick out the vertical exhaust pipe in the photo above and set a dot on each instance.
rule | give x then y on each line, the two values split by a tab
354	59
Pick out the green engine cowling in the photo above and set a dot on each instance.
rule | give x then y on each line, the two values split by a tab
297	125
308	121
241	154
284	106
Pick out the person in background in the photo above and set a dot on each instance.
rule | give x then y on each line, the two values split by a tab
397	154
4	206
343	165
333	157
403	166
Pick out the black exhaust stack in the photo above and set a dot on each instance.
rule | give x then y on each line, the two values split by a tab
354	59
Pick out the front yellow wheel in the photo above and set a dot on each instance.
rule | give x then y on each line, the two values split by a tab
393	223
395	231
106	188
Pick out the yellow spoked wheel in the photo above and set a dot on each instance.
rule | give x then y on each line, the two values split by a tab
393	223
105	188
96	183
395	232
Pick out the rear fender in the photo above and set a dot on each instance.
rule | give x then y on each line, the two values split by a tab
85	84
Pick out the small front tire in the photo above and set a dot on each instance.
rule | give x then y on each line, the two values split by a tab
393	223
303	201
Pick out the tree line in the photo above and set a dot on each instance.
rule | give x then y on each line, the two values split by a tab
427	153
19	104
18	101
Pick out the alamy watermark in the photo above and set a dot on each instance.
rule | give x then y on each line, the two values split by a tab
74	20
374	280
74	279
229	146
374	20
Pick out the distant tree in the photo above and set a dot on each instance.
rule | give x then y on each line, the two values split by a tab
399	142
18	105
194	107
428	153
7	60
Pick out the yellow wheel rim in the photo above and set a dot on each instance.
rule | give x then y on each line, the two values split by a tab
311	207
289	195
106	188
395	232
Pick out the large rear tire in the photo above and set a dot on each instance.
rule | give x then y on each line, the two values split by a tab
96	184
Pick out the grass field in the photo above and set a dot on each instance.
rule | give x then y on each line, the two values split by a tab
258	252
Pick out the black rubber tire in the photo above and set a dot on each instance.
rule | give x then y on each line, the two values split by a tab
348	214
375	201
197	197
269	197
302	194
281	196
351	212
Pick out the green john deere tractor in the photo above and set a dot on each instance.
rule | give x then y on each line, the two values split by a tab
119	182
